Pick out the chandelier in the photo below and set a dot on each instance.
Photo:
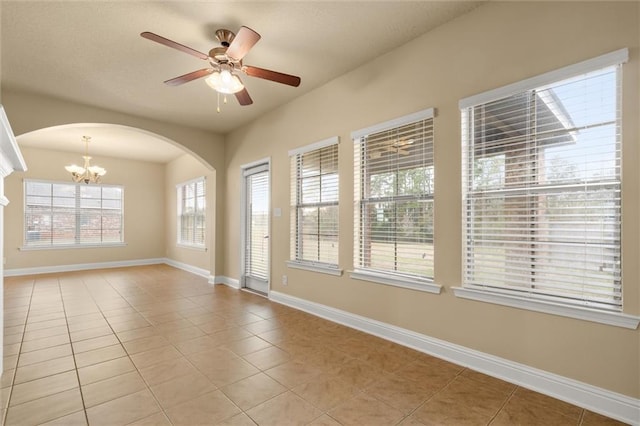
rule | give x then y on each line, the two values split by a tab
88	173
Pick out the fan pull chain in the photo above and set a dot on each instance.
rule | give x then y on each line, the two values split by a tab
218	107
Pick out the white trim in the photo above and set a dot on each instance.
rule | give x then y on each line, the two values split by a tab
314	267
221	279
71	246
396	281
578	312
81	267
391	124
603	61
189	268
4	201
9	145
194	180
605	402
334	140
195	247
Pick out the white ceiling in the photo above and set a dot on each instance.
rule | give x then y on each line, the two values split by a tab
91	52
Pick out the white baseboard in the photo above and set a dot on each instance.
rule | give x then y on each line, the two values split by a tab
221	279
610	404
189	268
80	267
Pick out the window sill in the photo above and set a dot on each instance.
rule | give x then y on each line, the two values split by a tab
191	247
314	268
577	312
425	286
72	246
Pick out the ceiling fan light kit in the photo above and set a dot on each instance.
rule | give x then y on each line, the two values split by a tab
224	62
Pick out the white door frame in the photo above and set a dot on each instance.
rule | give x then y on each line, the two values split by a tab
243	219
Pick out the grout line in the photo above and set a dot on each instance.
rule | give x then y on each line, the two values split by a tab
15	369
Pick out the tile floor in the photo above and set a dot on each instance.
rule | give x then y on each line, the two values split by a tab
155	345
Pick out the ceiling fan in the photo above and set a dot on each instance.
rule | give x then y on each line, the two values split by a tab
224	61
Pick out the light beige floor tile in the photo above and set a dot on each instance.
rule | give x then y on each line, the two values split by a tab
209	408
45	409
43	369
155	356
112	388
44	355
293	373
247	346
183	334
45	332
7	378
99	355
326	420
46	342
11	349
138	333
78	418
283	409
145	344
181	389
167	370
32	326
95	343
326	392
158	419
124	410
365	410
252	391
237	420
198	344
90	333
105	370
86	325
45	386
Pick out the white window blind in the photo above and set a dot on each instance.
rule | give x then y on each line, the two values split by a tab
68	214
314	203
192	202
394	197
541	185
257	224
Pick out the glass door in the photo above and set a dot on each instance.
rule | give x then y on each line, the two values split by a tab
256	245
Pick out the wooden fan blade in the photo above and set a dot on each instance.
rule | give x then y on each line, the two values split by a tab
189	77
174	45
243	97
278	77
242	43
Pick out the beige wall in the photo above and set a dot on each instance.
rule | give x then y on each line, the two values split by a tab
28	112
144	200
494	45
178	171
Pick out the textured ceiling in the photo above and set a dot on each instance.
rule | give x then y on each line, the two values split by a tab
91	52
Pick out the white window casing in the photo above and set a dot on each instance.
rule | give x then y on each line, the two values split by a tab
394	195
67	215
542	191
314	207
191	213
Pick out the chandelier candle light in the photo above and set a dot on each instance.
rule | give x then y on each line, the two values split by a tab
88	173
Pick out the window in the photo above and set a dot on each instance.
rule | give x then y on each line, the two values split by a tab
314	204
191	213
541	187
69	214
394	200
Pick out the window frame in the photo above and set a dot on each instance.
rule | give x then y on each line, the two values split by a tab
26	246
395	278
528	301
180	188
297	204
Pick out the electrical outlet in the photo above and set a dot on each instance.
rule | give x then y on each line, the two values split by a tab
285	280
